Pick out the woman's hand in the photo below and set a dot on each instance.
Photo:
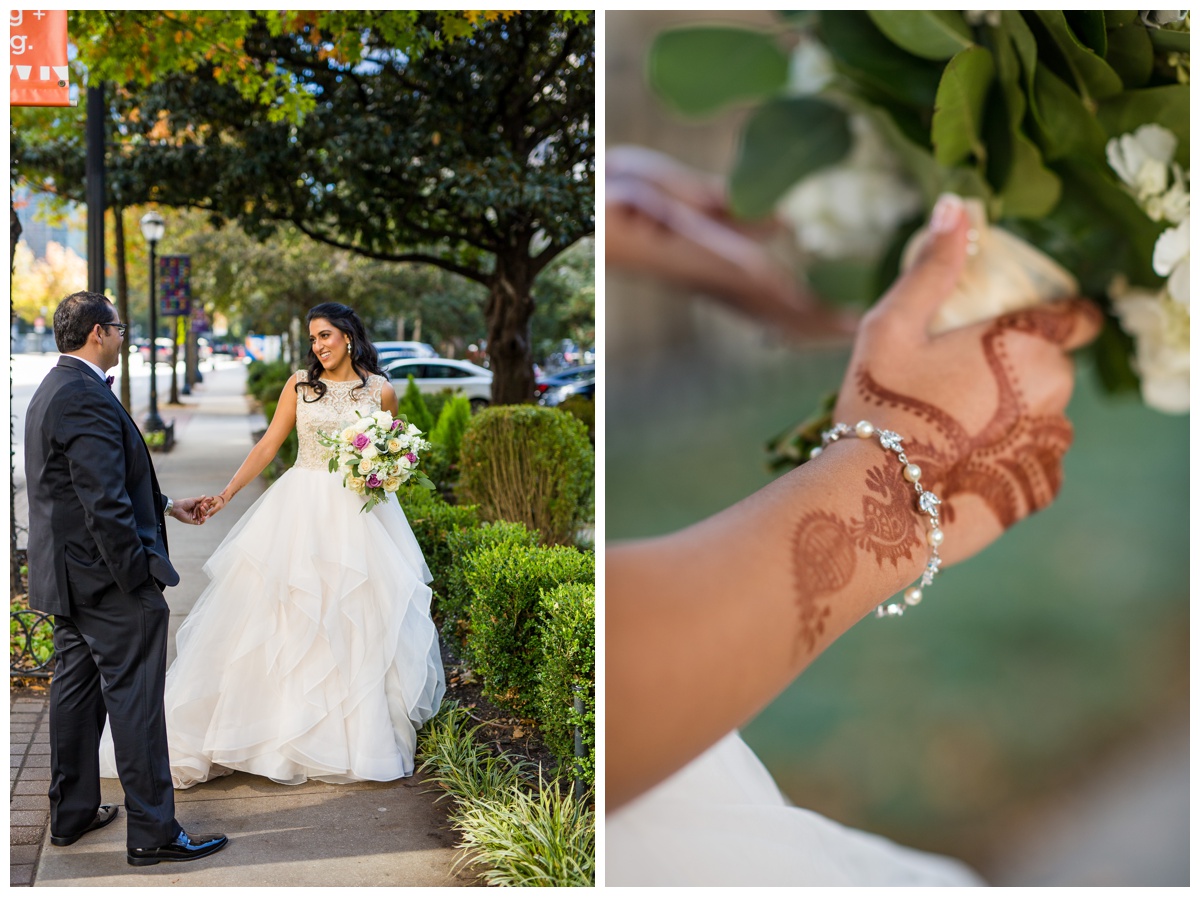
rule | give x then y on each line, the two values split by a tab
980	408
212	505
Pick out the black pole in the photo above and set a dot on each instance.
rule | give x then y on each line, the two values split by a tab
153	421
94	171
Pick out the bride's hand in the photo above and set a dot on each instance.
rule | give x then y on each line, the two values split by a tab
213	505
980	408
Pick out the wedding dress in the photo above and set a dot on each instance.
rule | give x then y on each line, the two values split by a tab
721	820
311	654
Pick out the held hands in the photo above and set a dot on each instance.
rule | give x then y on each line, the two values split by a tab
980	408
212	505
189	510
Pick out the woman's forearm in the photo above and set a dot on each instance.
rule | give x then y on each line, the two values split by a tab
720	617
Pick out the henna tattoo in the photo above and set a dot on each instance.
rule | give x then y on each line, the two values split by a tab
823	555
1015	462
889	525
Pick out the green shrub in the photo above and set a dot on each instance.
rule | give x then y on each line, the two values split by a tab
442	460
413	407
568	669
434	522
265	379
585	410
436	402
505	622
532	464
463	544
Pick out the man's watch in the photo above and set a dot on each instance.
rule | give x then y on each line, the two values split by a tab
170	504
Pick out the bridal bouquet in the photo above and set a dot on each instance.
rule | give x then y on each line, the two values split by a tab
376	455
1069	131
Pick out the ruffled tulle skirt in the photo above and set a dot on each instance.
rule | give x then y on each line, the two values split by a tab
722	820
311	654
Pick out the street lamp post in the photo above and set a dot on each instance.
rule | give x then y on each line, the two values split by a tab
152	230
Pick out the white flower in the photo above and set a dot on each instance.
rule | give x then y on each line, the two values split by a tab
358	485
1161	329
391	484
853	208
394	446
365	466
1172	259
1160	17
979	17
1143	159
383	417
810	67
349	433
370	452
360	425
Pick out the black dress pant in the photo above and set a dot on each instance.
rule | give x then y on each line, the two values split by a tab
112	655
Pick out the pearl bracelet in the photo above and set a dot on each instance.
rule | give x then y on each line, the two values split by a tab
927	503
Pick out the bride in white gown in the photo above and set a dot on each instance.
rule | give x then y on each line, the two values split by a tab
721	616
311	654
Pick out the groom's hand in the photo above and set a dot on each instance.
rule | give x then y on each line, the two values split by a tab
980	408
189	510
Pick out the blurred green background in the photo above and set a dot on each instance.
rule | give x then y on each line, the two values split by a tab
1031	692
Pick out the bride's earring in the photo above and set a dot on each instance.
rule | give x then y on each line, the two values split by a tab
349	345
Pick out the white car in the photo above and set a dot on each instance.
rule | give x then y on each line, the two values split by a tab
432	375
390	351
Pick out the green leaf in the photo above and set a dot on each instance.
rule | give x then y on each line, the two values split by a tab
1032	190
1063	125
958	113
701	70
1088	26
845	281
1094	77
1111	353
1167	106
863	52
1119	18
785	141
1170	41
1131	54
930	34
917	159
1017	29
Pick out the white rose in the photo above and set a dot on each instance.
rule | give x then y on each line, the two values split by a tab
360	425
1161	329
383	417
370	452
810	67
1172	259
403	463
1142	159
365	466
391	484
394	446
349	433
358	485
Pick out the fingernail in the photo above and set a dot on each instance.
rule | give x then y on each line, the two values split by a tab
947	213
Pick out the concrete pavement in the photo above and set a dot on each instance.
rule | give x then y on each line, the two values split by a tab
371	833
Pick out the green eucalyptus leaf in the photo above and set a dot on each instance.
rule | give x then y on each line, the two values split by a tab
700	70
1170	41
958	112
930	34
863	53
1062	123
1131	54
1094	78
1167	106
785	141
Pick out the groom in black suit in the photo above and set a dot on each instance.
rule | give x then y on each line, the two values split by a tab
98	562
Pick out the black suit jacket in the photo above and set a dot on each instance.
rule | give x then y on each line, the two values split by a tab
95	509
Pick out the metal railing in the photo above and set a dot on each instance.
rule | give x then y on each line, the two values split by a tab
30	632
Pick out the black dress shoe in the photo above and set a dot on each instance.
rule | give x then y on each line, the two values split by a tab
106	814
183	847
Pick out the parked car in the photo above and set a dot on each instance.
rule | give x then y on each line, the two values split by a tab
434	375
563	377
390	351
163	346
556	395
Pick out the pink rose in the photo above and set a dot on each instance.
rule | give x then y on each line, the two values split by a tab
411	457
397	422
373	481
361	441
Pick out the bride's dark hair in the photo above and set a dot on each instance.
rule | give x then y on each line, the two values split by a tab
362	353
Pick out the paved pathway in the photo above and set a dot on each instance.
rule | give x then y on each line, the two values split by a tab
371	833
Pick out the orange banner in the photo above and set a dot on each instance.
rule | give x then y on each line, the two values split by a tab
37	54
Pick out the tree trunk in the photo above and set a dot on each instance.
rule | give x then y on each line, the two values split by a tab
122	301
400	321
509	310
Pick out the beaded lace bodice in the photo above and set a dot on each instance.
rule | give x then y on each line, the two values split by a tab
331	413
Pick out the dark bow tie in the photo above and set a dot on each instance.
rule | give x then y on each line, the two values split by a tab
108	381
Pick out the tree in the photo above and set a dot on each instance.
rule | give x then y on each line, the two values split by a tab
474	155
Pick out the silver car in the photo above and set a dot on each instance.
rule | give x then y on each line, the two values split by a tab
432	375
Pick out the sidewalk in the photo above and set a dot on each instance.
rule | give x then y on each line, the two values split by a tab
371	833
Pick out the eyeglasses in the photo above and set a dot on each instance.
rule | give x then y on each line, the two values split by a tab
121	328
